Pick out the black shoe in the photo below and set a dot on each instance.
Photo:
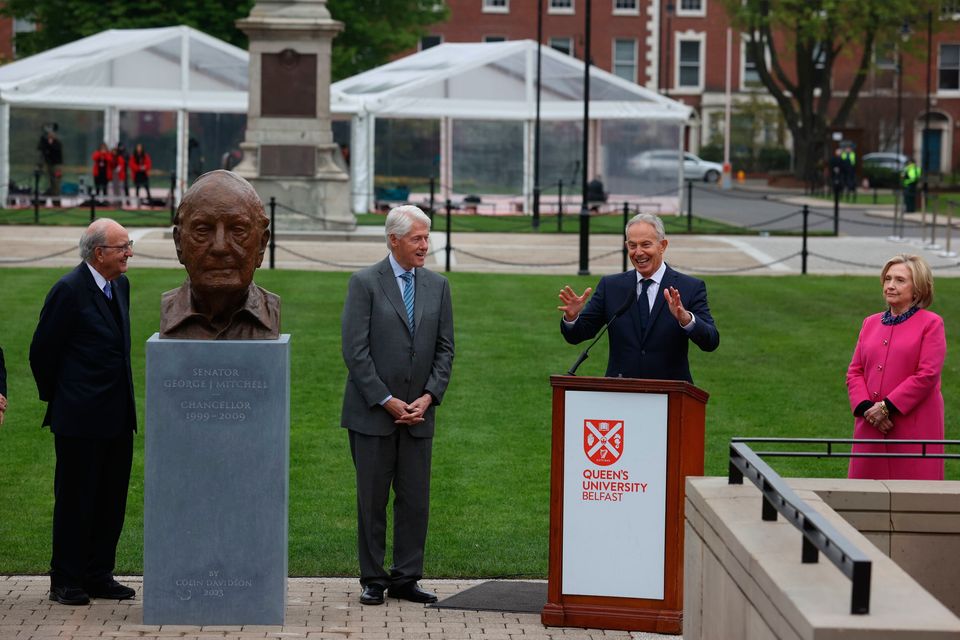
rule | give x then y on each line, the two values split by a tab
111	590
372	594
412	592
69	595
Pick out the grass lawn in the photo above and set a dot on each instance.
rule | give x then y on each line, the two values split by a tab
779	371
81	217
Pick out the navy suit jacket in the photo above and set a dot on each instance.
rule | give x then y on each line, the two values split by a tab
80	358
660	352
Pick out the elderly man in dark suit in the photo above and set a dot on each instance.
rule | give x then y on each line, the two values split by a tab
80	356
667	310
397	331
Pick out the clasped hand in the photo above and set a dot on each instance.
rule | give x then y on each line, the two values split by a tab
409	413
877	416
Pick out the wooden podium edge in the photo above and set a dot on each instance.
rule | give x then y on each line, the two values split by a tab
600	617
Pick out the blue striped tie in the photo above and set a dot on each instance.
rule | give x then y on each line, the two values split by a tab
408	296
108	290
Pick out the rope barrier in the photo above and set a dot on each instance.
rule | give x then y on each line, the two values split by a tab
534	264
46	257
739	269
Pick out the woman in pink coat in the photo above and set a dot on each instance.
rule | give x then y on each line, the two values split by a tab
894	378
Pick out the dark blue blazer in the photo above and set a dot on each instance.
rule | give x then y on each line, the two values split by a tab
660	353
80	358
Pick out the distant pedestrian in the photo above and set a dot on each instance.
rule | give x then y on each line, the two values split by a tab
140	166
849	158
121	160
102	168
909	178
837	173
51	156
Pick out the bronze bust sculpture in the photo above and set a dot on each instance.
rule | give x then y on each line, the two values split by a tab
221	233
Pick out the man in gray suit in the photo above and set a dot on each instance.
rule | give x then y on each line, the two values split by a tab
397	331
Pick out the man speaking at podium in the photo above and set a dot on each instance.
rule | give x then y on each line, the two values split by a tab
652	311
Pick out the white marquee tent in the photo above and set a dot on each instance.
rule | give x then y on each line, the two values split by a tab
487	81
166	69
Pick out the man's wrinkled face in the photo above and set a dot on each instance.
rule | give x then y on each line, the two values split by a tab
645	249
110	259
221	242
411	250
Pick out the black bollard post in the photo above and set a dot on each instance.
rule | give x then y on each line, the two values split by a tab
93	206
836	212
584	269
449	222
36	197
689	206
626	218
536	208
560	206
433	186
173	189
273	231
803	252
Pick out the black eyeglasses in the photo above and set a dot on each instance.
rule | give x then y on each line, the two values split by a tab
122	247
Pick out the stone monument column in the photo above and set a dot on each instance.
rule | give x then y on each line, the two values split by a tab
289	153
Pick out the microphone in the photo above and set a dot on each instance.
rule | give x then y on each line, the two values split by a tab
631	297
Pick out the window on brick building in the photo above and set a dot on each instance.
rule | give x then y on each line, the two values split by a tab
625	59
560	6
563	45
948	68
750	77
430	41
496	6
885	67
692	8
688	64
626	7
494	38
950	9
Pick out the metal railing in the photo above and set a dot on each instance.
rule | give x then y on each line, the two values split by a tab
819	536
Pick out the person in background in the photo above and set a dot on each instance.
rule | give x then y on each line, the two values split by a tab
80	358
909	178
595	193
140	167
121	183
51	155
102	169
893	380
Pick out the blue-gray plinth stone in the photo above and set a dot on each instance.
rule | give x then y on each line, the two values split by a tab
216	481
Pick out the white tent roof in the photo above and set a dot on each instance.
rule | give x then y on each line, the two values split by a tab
164	69
495	81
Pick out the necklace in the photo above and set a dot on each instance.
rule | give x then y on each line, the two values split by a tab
890	319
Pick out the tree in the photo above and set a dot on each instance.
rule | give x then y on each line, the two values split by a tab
814	35
375	30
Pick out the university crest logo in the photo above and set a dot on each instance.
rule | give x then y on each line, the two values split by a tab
603	441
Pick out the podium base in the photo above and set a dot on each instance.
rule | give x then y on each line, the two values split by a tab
593	616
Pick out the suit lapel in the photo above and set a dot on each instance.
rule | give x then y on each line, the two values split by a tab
419	296
388	283
120	297
660	302
99	298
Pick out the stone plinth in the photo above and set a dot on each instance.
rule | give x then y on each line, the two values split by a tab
216	481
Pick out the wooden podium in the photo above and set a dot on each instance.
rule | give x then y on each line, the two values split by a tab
621	450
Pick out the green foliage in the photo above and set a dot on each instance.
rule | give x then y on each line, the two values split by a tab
779	371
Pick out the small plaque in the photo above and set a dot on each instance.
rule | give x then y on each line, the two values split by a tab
288	160
288	85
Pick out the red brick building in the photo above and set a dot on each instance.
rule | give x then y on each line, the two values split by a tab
679	47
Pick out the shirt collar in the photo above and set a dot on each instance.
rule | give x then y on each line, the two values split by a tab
97	276
657	276
398	271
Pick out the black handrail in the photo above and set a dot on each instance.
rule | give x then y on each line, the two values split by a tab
819	536
830	453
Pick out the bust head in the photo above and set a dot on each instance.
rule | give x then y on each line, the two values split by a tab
220	232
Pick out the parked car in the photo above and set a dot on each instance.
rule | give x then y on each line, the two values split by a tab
663	163
882	169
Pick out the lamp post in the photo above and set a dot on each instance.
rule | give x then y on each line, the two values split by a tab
536	126
925	161
584	205
666	76
898	205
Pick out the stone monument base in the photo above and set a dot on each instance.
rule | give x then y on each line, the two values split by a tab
216	482
308	203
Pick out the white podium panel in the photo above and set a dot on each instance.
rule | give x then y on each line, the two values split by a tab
614	505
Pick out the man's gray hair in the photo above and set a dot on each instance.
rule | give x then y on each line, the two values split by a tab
650	219
401	219
94	236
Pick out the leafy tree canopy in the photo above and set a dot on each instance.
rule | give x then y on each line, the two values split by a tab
374	29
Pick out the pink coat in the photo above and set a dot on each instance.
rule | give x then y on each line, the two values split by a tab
901	363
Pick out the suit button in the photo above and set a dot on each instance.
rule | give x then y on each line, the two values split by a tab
643	352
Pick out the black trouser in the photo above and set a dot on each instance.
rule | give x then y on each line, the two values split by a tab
100	184
90	492
141	179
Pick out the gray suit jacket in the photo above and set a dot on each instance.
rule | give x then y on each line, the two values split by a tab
382	357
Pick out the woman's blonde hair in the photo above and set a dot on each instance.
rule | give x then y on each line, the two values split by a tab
921	274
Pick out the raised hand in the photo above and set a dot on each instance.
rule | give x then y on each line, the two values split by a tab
572	303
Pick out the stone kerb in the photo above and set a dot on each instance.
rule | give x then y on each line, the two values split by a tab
743	577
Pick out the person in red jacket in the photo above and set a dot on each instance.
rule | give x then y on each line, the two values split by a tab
140	167
102	168
120	161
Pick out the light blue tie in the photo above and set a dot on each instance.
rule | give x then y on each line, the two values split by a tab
408	297
108	290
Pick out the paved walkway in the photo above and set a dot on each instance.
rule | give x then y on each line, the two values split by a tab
317	608
512	253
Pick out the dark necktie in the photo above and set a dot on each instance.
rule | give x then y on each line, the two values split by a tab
108	290
408	297
644	302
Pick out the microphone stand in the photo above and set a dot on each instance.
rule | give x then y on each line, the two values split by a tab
572	371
